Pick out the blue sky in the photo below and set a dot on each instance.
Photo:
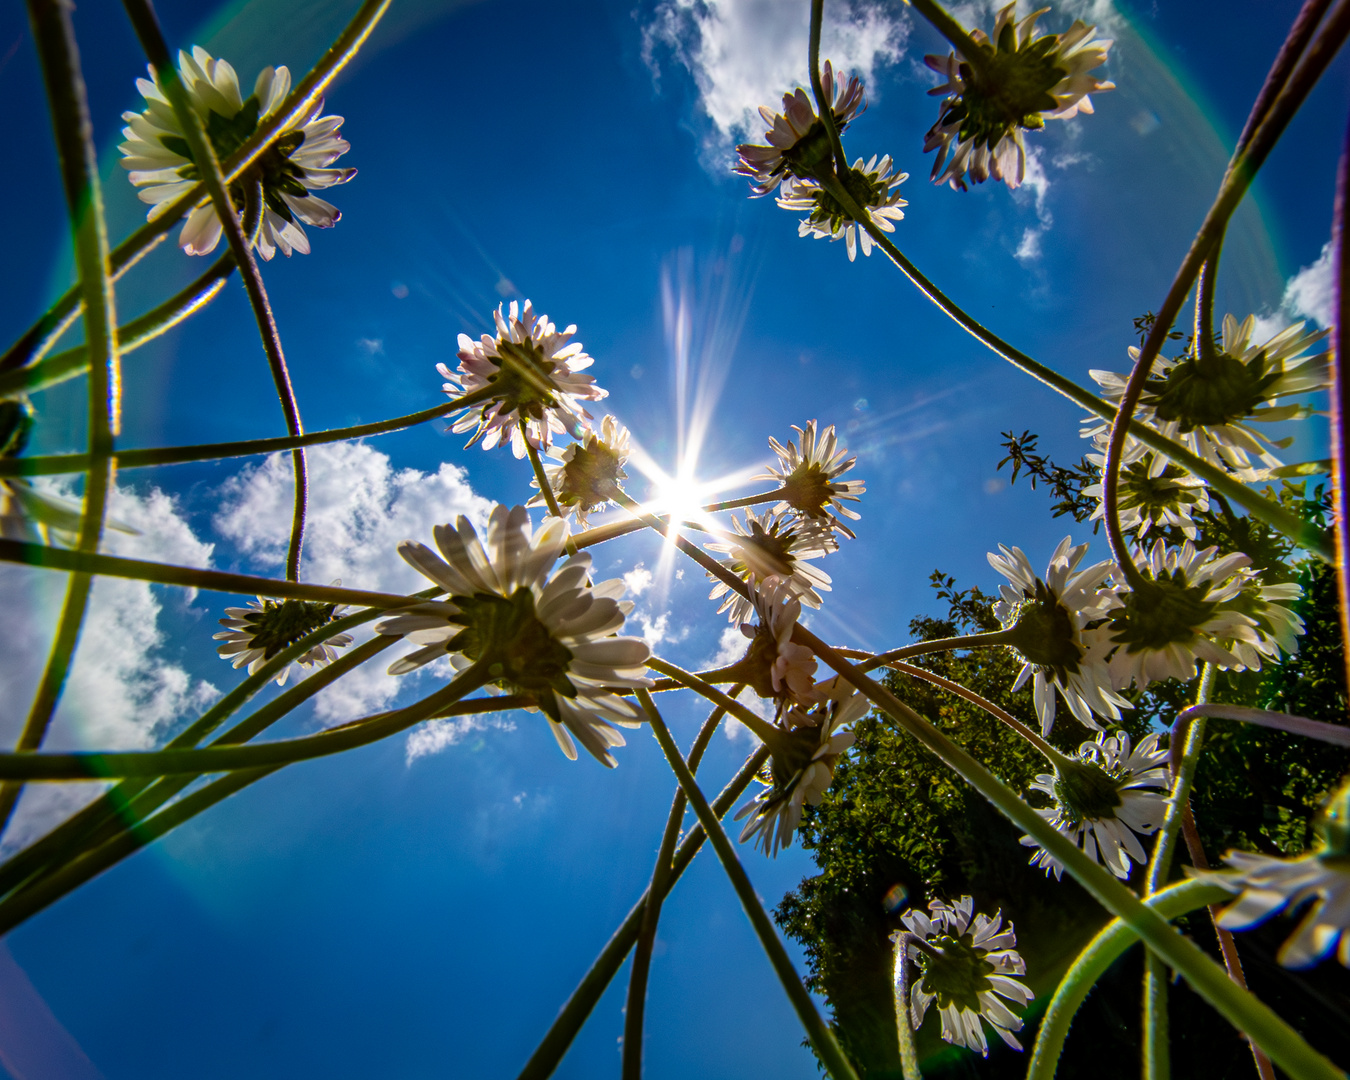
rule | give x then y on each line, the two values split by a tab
422	908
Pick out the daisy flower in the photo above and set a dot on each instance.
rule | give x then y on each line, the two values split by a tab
1099	802
549	636
537	381
773	666
798	141
1268	885
295	165
967	968
588	471
774	545
808	473
873	188
1276	628
802	768
1046	620
1151	491
1181	614
255	634
1023	81
1208	403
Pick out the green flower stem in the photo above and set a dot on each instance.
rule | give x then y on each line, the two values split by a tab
748	500
593	984
824	106
1249	1015
953	31
39	337
1053	756
822	1038
148	31
54	35
920	648
1091	965
904	1031
1305	24
729	674
611	530
1310	537
663	526
651	910
54	558
769	735
74	362
1204	300
545	488
178	455
1157	1062
23	864
86	765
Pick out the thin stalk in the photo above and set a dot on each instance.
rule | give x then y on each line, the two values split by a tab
39	337
1049	752
130	336
178	455
545	488
86	765
147	28
651	910
1157	1064
769	735
1295	42
663	526
1091	965
54	35
746	500
1258	506
988	639
578	1007
822	1038
1285	1046
904	1030
729	674
824	105
53	558
1204	301
1340	393
954	32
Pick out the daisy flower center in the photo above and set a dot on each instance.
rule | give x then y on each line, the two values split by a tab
1152	495
524	381
521	652
867	190
282	623
1085	791
807	489
590	476
1210	391
1013	90
1160	613
955	972
1043	632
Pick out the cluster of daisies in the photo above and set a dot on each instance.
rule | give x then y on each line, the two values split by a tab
1011	82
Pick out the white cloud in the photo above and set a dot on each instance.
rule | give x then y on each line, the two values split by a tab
1309	294
437	735
1035	189
747	53
360	507
123	691
637	580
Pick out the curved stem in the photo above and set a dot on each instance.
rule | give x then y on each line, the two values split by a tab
822	1038
1049	752
824	106
729	674
228	758
178	455
1340	392
1258	506
578	1007
545	488
1183	745
954	32
1204	301
769	735
1338	734
651	910
53	558
130	336
1248	1014
1091	965
986	639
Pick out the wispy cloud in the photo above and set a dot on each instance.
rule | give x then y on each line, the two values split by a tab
1309	294
746	53
438	735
